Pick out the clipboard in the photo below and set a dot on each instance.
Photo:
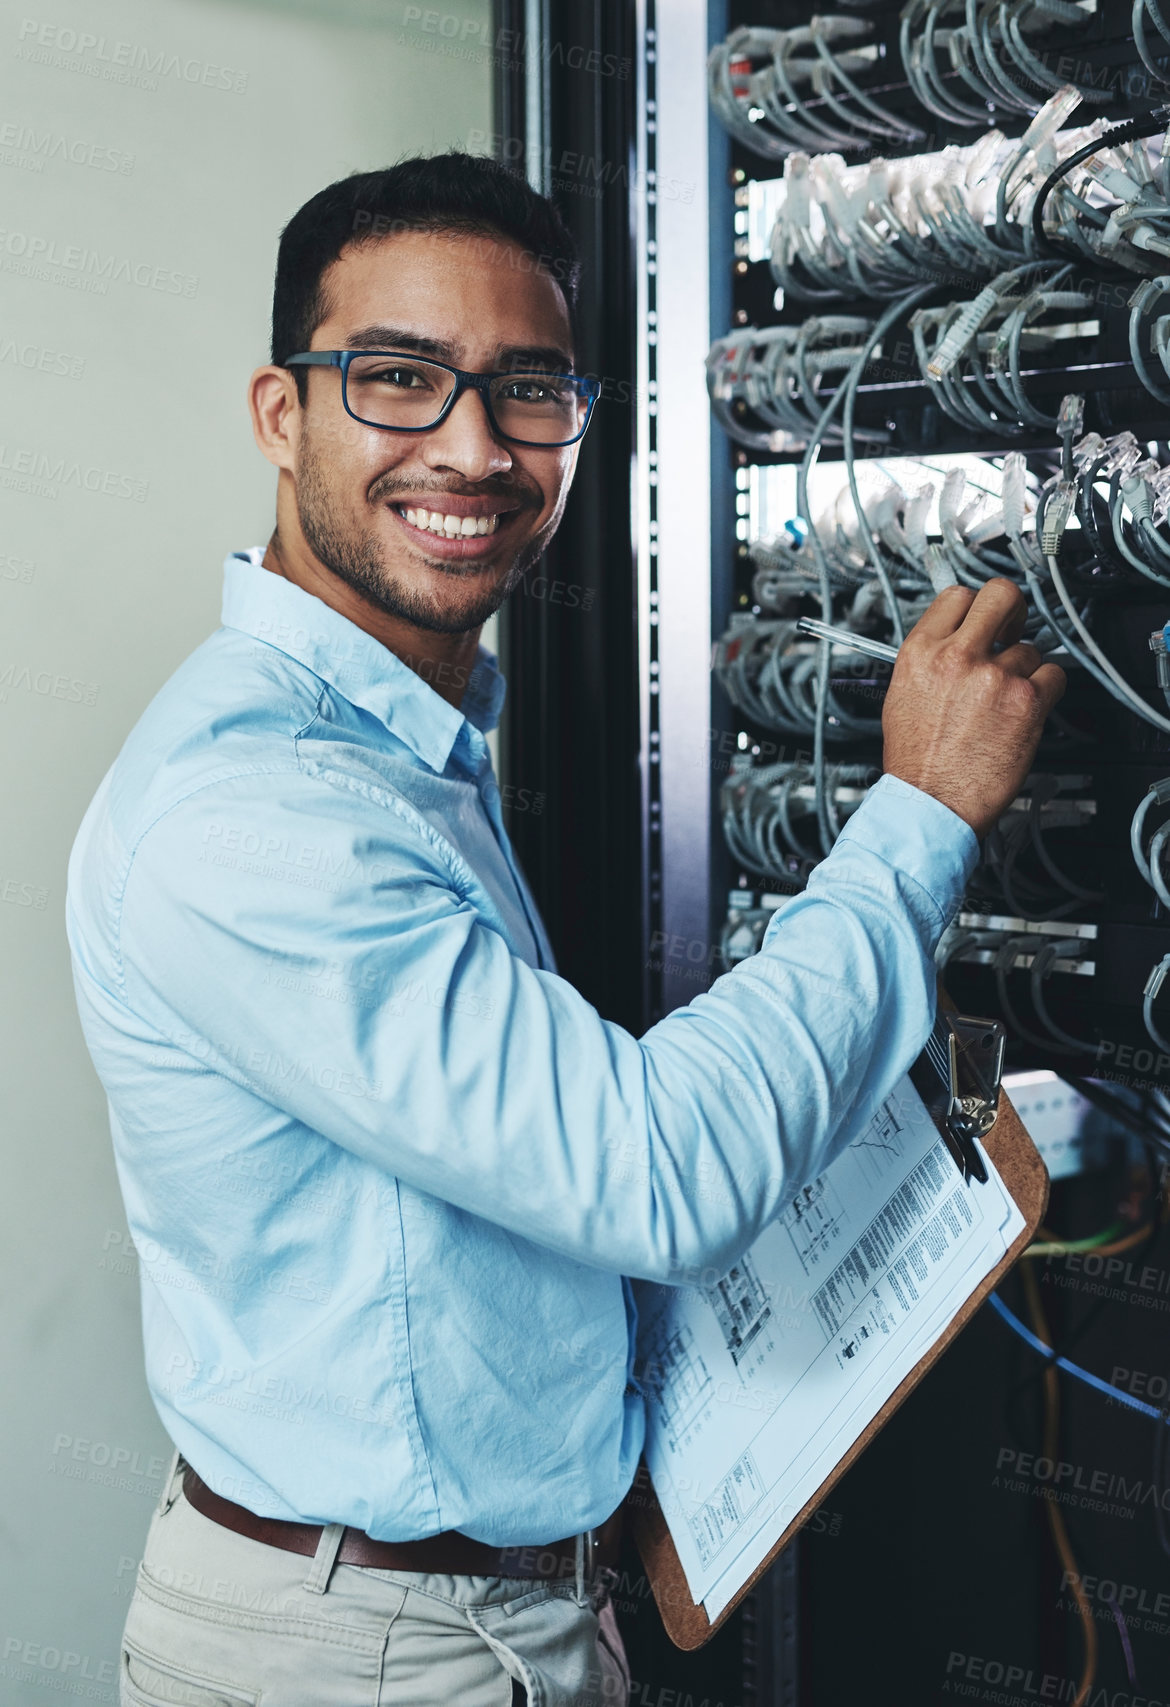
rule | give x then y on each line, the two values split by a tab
1023	1173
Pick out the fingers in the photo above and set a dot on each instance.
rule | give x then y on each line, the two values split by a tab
944	613
1012	626
1020	660
997	612
1049	682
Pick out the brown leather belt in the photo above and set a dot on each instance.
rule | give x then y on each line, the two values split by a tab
449	1553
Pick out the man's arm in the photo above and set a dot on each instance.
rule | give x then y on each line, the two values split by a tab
380	1011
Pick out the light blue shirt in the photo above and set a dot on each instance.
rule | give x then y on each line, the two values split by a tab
384	1169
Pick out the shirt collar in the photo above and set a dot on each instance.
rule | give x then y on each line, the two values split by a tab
304	627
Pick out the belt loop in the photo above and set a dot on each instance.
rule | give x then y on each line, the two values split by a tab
324	1558
580	1584
172	1482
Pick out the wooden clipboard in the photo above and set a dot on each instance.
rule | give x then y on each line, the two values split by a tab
1023	1173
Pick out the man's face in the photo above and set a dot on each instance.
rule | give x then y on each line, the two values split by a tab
478	303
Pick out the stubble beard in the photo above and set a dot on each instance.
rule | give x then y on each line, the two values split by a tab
358	559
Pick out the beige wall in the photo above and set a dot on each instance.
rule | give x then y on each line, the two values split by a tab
174	147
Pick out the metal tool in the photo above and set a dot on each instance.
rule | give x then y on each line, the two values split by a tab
842	636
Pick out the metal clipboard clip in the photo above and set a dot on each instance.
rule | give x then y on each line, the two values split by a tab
958	1077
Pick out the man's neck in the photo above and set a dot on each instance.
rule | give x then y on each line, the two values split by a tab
444	661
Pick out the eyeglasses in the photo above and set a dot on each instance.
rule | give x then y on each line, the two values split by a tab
404	394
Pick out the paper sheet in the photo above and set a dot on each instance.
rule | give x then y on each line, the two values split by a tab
758	1383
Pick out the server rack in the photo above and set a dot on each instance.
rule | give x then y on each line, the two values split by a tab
944	1570
925	1554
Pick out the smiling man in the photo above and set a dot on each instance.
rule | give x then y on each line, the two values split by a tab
388	1175
424	561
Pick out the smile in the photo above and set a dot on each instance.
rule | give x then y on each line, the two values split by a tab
448	526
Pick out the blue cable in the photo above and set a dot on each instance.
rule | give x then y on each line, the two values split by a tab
1050	1356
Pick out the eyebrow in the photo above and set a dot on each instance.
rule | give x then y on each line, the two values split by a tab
507	356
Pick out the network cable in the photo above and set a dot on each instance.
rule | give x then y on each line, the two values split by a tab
782	90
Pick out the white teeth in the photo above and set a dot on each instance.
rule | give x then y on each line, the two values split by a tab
451	527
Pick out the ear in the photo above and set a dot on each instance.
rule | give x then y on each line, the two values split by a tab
276	415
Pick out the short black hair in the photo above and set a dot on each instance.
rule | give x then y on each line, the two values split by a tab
464	193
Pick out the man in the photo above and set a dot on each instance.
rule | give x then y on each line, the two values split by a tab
388	1175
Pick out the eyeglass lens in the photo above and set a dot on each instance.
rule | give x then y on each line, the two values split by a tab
392	392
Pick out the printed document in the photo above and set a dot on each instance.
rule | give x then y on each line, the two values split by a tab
758	1383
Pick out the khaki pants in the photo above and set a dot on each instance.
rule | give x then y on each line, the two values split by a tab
219	1620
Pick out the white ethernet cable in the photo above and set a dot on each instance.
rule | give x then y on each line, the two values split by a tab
967	212
963	212
1000	323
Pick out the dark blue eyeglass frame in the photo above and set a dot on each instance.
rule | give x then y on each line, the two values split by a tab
586	387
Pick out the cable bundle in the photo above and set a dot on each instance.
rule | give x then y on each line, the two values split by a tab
765	808
767	387
1151	11
988	51
1108	200
1018	863
971	354
967	514
967	212
878	229
778	91
1036	955
1122	502
1148	858
770	672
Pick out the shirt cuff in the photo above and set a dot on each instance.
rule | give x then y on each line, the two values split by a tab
917	835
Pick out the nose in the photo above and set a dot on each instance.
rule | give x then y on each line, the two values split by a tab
465	442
